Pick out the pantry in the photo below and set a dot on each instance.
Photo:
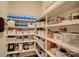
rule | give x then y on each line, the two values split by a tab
54	34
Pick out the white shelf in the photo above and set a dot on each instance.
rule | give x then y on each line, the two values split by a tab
17	27
18	34
38	53
25	27
49	53
21	51
72	48
41	27
22	20
74	22
41	36
40	46
22	41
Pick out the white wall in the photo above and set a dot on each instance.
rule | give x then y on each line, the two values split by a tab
3	8
32	8
3	13
46	5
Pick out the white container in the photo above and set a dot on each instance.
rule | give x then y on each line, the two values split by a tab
67	38
75	40
20	46
58	36
11	23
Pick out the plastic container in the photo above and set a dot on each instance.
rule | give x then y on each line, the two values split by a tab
67	38
58	36
11	23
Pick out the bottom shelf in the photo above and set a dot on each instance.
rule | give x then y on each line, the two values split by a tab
21	51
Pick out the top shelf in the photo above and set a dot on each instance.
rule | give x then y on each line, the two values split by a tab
61	7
